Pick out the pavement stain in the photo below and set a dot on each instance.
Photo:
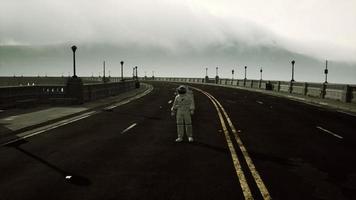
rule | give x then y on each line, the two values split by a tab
323	188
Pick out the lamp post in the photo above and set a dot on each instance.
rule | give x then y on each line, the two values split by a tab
136	72
260	82
293	62
104	71
74	48
122	70
217	75
232	74
245	72
206	71
326	71
245	76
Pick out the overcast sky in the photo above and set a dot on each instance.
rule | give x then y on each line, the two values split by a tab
324	29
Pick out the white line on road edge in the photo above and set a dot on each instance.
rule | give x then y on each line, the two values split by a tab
129	100
298	98
346	113
331	133
260	102
128	128
43	129
170	101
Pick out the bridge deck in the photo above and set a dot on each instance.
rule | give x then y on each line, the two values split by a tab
290	144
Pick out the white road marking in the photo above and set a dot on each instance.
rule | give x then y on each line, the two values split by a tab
129	100
68	177
331	133
293	97
346	113
170	101
10	118
128	128
43	129
323	103
260	102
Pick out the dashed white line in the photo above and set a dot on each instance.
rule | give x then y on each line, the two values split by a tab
128	128
170	101
331	133
260	102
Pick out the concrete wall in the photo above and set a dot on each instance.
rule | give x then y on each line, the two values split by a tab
12	96
34	80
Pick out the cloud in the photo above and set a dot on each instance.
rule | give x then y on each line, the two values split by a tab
324	29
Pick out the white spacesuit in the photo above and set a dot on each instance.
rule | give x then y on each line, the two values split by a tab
183	107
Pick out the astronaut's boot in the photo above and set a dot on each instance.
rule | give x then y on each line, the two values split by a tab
180	131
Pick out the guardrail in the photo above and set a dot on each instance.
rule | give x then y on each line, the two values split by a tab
39	94
339	92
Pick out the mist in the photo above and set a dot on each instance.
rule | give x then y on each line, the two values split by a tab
180	38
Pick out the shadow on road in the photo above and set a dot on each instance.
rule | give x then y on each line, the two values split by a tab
215	148
67	176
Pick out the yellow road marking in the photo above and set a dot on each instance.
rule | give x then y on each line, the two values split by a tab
238	169
261	186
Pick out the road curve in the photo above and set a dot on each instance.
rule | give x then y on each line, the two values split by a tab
129	152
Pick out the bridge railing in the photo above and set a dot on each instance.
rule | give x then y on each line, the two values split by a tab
14	95
339	92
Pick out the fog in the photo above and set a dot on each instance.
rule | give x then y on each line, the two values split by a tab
180	38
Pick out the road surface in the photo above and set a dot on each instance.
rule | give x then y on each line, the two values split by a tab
293	151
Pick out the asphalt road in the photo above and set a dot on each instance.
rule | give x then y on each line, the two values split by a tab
300	152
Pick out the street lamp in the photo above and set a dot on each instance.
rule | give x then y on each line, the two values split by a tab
293	62
217	68
326	71
104	70
245	72
206	71
74	48
136	72
232	74
261	73
122	70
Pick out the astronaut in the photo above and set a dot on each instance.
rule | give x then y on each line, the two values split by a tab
183	107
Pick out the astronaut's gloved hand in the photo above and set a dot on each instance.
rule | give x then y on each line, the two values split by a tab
192	112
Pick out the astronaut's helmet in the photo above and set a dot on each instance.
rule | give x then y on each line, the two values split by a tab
182	89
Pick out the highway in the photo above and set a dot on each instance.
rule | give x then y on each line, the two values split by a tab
247	146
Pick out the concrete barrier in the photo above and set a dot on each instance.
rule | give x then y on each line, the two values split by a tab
11	96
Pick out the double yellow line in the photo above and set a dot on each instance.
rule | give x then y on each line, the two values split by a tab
238	169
